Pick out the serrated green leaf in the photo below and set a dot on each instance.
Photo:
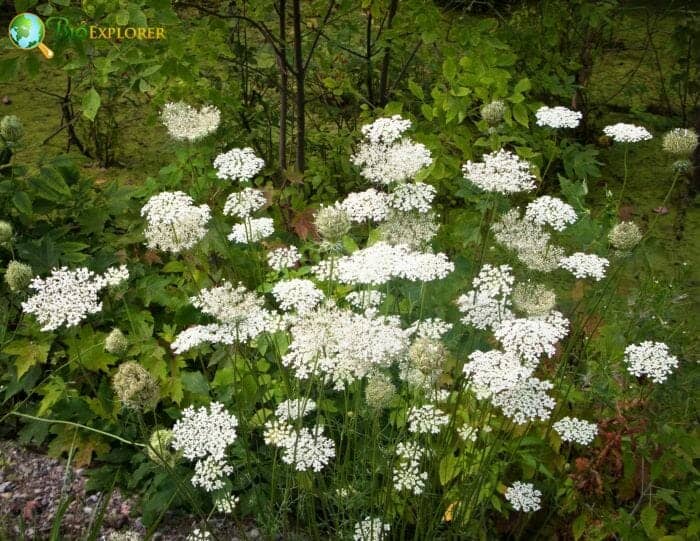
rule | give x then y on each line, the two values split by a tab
194	383
415	89
520	114
28	354
648	519
448	469
22	203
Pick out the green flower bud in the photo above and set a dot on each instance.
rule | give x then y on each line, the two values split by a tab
5	232
135	387
18	276
493	112
681	166
379	391
625	236
332	223
11	128
533	299
116	343
160	449
680	142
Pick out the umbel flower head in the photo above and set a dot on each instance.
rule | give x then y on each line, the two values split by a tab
576	430
205	432
552	211
627	133
5	232
625	236
379	391
680	142
174	223
413	229
238	164
332	223
651	359
533	299
493	112
116	343
185	123
502	172
135	387
523	497
18	276
11	129
558	117
371	529
160	450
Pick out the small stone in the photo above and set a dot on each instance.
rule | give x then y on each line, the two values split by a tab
7	486
661	210
87	510
254	533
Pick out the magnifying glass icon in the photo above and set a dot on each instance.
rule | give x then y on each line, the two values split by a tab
27	31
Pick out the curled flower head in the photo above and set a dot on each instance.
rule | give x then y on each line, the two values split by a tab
116	343
379	391
5	232
493	112
11	129
680	142
625	236
18	276
160	450
332	223
135	387
185	123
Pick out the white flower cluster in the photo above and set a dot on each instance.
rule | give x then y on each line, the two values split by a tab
414	229
433	328
174	223
502	172
407	476
494	371
530	338
342	346
184	122
576	430
238	164
412	196
523	497
226	503
365	299
369	205
426	420
468	433
381	262
385	157
297	294
66	297
650	359
302	448
294	409
533	299
203	435
370	529
558	117
584	265
283	258
526	401
252	230
626	133
242	204
552	211
241	313
529	240
487	304
199	535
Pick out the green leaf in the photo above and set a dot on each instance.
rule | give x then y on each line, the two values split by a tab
195	383
416	90
427	111
122	17
449	68
520	114
29	353
578	527
448	469
24	5
648	518
88	350
22	203
523	86
91	104
61	2
50	185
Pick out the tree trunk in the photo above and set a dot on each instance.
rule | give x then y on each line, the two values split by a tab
284	85
386	61
300	100
368	52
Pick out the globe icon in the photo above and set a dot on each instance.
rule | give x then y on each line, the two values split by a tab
27	32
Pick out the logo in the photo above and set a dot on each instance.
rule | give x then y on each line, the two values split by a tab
27	31
63	29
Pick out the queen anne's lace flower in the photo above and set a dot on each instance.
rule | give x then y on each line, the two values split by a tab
174	223
253	230
408	477
523	497
371	529
493	371
650	359
283	258
226	503
365	299
414	229
342	346
417	196
297	294
625	236
204	433
585	265
493	112
294	409
199	535
67	297
381	262
369	205
238	164
426	419
558	117
576	430
433	328
547	210
307	450
379	391
530	338
277	432
487	304
384	157
527	401
680	141
184	122
242	204
209	473
502	172
626	133
533	299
